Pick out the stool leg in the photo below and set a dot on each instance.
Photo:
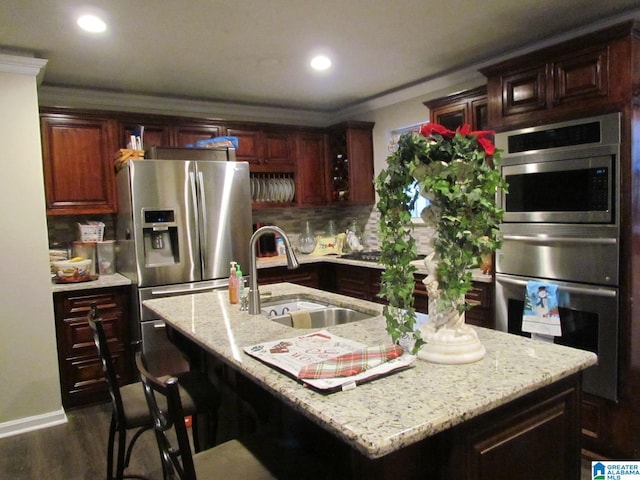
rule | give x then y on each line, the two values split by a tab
122	444
112	436
195	433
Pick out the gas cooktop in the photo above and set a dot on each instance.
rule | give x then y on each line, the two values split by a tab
373	256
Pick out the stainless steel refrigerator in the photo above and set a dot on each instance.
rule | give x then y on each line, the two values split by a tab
179	225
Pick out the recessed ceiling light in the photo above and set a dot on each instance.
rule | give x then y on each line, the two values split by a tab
320	62
92	24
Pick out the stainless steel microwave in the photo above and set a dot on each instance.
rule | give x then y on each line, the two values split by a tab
562	173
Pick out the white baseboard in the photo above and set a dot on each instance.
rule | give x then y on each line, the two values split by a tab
36	422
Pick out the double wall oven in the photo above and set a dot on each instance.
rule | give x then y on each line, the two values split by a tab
561	226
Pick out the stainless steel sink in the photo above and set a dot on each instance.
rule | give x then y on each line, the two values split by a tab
282	307
326	317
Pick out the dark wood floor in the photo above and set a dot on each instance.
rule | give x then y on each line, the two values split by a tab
77	451
74	451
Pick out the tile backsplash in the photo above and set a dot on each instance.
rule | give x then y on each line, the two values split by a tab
63	230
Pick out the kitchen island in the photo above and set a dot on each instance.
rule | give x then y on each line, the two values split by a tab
514	412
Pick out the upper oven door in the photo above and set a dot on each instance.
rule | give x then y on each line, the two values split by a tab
574	190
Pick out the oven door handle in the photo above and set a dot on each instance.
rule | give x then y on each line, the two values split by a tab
596	292
538	239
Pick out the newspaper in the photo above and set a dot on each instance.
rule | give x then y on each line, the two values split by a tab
292	354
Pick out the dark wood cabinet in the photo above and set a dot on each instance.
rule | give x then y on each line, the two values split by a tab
468	107
188	134
154	134
481	299
78	153
585	76
351	163
358	282
81	378
266	150
169	132
79	149
310	167
307	275
537	432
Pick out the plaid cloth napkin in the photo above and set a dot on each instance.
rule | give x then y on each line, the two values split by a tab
351	363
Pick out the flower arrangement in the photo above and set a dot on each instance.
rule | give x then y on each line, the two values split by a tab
456	171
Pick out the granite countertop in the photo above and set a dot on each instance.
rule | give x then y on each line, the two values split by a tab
390	413
267	262
103	281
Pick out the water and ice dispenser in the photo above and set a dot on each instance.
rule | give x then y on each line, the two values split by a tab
160	234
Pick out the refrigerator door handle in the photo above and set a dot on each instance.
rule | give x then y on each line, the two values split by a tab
194	202
204	244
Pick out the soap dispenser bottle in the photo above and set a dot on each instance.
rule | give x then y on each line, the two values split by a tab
233	284
240	281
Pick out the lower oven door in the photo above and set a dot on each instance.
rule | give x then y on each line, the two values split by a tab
589	321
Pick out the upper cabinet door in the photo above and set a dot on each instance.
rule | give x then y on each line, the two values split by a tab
78	154
188	135
278	148
468	107
154	134
311	169
267	150
249	145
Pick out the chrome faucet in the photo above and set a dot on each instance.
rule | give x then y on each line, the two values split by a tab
292	262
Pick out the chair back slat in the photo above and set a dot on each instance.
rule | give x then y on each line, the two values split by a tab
163	399
111	377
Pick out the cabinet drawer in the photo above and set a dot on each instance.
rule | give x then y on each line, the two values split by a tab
79	304
479	295
79	336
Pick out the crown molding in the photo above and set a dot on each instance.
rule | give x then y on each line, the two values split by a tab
52	96
21	65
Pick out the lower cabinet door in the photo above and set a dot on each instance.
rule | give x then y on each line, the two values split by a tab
81	377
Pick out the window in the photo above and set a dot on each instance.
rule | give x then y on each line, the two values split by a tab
421	202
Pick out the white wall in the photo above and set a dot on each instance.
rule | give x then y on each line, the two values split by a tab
30	392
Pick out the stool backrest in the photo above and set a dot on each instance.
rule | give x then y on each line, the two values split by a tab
100	339
163	399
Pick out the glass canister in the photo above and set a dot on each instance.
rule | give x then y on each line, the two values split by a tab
307	240
86	250
106	253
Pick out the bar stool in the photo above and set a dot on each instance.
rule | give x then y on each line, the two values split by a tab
129	406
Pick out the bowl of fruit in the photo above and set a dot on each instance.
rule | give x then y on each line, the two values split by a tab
77	269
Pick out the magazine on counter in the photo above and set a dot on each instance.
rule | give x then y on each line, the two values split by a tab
292	355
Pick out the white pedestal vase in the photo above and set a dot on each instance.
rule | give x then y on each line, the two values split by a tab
448	339
451	345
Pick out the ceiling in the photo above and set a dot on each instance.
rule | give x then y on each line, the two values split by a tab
256	51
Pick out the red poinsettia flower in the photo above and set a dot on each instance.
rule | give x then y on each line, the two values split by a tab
428	128
481	137
487	145
464	129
